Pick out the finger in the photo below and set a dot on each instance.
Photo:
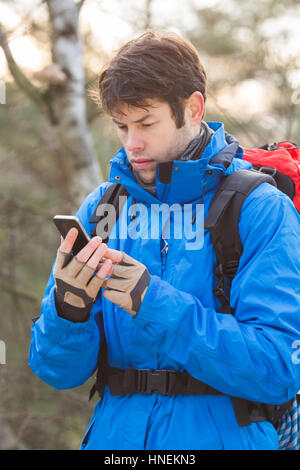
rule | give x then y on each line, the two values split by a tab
114	255
97	255
104	269
93	286
72	268
98	280
62	259
88	269
127	260
89	249
84	274
67	244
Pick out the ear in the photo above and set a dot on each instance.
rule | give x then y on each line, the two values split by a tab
195	108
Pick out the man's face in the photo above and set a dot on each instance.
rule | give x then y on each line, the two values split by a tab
150	136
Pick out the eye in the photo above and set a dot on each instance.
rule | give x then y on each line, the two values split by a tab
148	124
122	127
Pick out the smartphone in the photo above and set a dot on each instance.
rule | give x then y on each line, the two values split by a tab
64	223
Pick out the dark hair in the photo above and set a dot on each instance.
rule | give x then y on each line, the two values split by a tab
156	65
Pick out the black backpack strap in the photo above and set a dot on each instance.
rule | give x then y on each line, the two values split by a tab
283	182
110	197
163	381
102	363
222	221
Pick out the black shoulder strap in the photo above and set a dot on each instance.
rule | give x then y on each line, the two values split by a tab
283	182
111	196
222	221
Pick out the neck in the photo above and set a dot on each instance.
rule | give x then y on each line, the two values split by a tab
197	145
193	151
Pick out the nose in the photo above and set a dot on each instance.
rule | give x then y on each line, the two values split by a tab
134	141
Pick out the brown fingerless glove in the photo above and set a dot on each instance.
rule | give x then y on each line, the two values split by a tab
128	284
76	287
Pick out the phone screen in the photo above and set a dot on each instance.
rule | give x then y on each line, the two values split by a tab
65	223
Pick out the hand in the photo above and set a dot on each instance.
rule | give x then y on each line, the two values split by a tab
79	278
128	283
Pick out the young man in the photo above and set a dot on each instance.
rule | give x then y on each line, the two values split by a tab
154	290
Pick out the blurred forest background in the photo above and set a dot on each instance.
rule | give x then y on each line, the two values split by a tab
55	147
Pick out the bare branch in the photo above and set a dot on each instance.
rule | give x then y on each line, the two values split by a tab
51	74
18	75
148	14
80	4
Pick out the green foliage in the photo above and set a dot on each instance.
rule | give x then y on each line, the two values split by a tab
246	41
31	193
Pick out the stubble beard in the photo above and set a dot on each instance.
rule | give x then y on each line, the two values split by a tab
184	136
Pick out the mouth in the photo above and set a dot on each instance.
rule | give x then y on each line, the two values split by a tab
141	163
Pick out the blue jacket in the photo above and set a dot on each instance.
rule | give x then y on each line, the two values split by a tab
179	327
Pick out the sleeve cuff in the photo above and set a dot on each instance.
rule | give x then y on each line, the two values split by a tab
150	309
73	314
50	320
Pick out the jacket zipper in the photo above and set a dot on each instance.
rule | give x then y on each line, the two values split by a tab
163	253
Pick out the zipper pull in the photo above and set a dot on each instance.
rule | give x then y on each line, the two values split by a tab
163	254
165	248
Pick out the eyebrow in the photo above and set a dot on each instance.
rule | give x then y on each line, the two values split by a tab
135	122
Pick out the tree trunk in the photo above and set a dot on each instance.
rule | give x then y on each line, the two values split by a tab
64	101
68	102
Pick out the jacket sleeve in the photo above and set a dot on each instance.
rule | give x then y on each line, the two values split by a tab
62	353
252	354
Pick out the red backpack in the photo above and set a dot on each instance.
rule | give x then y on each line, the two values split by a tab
282	162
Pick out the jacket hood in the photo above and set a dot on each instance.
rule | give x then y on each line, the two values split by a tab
185	181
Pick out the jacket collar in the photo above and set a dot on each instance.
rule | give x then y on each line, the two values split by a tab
184	181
